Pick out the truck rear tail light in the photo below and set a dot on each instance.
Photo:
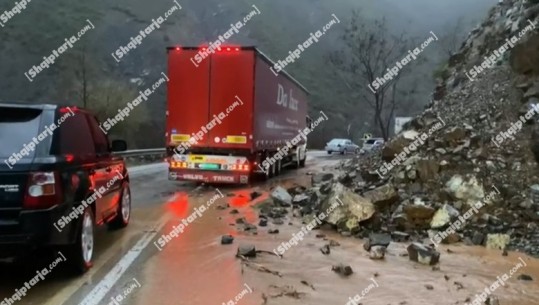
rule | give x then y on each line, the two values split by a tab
239	167
43	191
174	164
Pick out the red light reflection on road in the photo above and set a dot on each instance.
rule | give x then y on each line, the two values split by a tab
179	205
240	199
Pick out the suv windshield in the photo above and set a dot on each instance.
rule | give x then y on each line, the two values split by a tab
18	126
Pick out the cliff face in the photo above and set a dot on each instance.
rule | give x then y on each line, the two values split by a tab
501	30
479	134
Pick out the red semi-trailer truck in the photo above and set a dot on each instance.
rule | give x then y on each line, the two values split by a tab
228	112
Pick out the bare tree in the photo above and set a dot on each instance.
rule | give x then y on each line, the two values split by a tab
451	40
82	75
79	76
370	52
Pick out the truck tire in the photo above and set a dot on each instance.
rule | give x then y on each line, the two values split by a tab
302	161
273	170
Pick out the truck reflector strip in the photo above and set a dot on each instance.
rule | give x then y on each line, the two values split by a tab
180	138
236	139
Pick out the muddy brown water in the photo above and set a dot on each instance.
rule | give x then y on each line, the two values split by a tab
195	269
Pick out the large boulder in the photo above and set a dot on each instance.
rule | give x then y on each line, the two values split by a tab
427	169
394	147
444	216
497	241
320	179
532	92
453	136
524	57
466	189
418	212
383	196
343	204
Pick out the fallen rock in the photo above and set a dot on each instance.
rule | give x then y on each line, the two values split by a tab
325	250
419	213
343	270
377	239
346	204
423	254
469	190
241	220
319	179
383	196
444	216
524	57
248	227
394	148
246	250
278	221
255	195
451	238
427	169
400	237
524	277
377	252
497	241
296	190
334	243
478	238
227	239
281	196
453	136
223	206
301	200
273	231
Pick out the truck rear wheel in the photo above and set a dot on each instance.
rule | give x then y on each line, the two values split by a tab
302	162
273	170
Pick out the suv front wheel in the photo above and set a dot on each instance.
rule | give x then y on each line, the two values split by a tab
124	209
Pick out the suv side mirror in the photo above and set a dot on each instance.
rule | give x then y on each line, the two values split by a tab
119	145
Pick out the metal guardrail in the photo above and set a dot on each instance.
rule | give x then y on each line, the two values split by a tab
141	152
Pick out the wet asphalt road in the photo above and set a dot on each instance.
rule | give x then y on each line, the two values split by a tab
192	268
140	266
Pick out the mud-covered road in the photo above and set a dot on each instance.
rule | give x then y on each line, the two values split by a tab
134	266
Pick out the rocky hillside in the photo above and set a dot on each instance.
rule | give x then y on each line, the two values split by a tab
464	170
484	151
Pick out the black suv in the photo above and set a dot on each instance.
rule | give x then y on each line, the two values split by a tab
58	180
